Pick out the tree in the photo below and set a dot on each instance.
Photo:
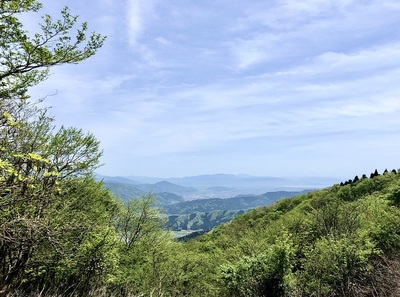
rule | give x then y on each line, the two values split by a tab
35	164
25	60
332	266
35	160
143	248
266	274
80	251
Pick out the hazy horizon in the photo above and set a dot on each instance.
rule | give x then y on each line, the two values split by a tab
359	174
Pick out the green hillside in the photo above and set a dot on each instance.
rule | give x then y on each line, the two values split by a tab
341	241
123	190
126	192
205	214
241	202
201	220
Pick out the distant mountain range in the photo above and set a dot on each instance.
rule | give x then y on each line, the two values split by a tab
202	182
164	186
210	186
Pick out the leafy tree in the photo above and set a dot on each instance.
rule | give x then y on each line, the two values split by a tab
25	60
35	165
35	161
266	274
332	266
80	252
142	247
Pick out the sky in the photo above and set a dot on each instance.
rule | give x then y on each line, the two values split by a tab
266	88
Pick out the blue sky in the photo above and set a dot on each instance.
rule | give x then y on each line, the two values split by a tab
267	88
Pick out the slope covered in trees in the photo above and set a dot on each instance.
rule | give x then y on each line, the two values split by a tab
242	202
341	241
204	221
126	192
205	214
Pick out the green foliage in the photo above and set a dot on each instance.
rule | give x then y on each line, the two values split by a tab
142	248
137	220
235	203
338	242
42	177
333	266
25	60
200	220
36	164
266	274
55	221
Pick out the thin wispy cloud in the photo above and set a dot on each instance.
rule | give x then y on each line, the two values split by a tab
196	87
137	10
292	31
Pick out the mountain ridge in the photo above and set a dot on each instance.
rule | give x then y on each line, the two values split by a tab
232	181
241	202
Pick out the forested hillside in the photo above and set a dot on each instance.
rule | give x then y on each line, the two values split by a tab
341	241
126	192
203	221
234	203
205	214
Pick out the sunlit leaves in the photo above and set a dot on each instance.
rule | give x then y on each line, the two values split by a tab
25	60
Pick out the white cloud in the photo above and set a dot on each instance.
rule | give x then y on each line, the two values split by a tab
293	31
139	14
162	41
368	59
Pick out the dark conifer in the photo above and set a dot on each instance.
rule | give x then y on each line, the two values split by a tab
376	172
386	171
364	176
372	175
341	184
356	179
394	171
